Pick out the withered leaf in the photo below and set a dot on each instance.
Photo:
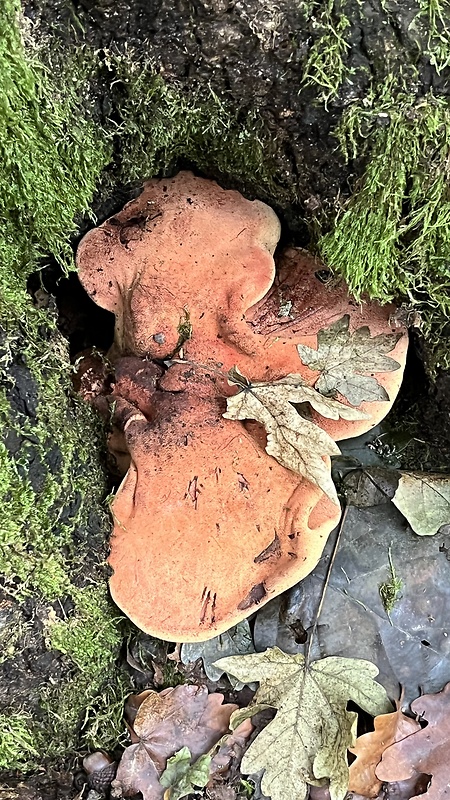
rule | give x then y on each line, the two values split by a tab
160	725
296	442
308	739
236	641
344	358
424	499
181	777
425	751
230	748
369	748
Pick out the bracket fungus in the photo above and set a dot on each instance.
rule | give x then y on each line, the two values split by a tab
220	510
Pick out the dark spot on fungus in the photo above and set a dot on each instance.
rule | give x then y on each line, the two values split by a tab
254	597
273	550
243	482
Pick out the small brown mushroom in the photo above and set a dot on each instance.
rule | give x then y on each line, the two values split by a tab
207	526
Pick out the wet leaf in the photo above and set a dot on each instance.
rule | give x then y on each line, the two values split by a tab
369	748
237	641
345	358
296	442
308	739
424	499
163	723
230	749
425	751
411	644
400	790
181	777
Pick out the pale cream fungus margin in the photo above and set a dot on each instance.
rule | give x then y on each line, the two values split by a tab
207	526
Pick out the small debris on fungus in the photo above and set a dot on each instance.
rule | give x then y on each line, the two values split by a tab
194	286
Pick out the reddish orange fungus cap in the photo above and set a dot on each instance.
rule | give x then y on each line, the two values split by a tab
207	525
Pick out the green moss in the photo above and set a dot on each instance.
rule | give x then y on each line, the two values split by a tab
326	65
90	636
19	741
433	24
50	156
392	239
160	124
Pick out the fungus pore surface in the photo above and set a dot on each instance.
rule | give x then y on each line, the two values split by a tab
207	525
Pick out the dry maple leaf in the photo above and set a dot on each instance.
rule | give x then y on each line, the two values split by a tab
308	739
296	442
369	748
344	358
160	725
424	499
425	751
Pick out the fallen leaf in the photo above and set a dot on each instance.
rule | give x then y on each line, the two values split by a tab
411	646
425	751
400	790
308	739
181	777
296	442
369	748
424	499
236	641
230	748
344	358
163	723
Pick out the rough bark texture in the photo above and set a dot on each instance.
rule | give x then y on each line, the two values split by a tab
298	66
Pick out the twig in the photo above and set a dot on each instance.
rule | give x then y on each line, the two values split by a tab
325	586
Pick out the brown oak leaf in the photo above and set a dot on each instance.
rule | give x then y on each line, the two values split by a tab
369	748
425	751
163	723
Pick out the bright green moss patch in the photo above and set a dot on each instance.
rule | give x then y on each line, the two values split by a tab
95	614
19	741
31	535
90	637
433	22
50	156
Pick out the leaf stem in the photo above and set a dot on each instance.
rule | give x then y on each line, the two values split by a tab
325	586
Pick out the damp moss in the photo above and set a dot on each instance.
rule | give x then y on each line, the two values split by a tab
51	157
20	741
90	638
162	123
326	65
433	23
51	474
391	240
90	635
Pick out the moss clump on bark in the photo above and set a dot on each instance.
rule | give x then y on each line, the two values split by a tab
161	124
392	239
326	66
51	159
